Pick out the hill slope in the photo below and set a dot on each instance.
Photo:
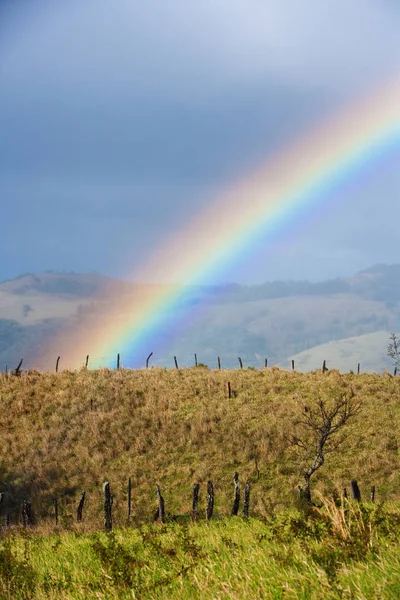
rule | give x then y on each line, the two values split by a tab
341	354
62	434
274	320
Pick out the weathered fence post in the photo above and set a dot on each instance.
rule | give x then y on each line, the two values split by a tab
292	365
219	363
358	369
229	390
118	361
161	505
147	360
18	369
108	501
210	500
57	363
240	362
394	372
324	366
266	363
87	361
23	513
372	493
195	501
246	500
176	362
355	491
129	497
195	360
27	514
55	504
236	497
80	507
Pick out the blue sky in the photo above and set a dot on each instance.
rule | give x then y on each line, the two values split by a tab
120	119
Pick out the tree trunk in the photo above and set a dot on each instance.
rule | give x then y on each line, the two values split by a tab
307	490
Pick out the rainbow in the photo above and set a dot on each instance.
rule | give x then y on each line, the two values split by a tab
290	183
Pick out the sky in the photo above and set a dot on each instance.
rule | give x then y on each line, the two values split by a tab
120	120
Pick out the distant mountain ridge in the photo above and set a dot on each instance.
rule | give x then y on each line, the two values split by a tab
275	320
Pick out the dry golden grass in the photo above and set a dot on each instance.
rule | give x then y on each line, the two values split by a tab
68	432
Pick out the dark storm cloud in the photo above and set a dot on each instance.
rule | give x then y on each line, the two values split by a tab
119	120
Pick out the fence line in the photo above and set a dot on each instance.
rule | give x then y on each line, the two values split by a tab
117	360
23	514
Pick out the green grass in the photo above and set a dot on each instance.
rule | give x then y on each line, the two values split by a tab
68	432
294	556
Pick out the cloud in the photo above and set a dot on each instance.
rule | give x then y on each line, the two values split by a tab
113	112
189	50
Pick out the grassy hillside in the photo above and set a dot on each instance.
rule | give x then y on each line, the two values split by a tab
65	433
370	348
68	432
279	328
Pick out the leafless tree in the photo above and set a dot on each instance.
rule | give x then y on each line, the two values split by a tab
318	432
393	350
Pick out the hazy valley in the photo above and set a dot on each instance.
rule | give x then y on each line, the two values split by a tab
342	321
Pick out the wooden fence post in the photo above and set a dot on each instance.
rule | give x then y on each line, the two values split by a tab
129	497
246	500
355	491
219	363
394	372
23	513
87	361
55	504
176	362
195	501
229	390
108	501
266	363
80	507
372	493
240	362
195	360
18	369
292	365
118	361
358	369
236	497
27	513
147	360
210	500
324	366
57	363
161	504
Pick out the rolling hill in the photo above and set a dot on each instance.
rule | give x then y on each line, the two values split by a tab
344	321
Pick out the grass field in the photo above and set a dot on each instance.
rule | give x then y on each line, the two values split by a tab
65	433
290	556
